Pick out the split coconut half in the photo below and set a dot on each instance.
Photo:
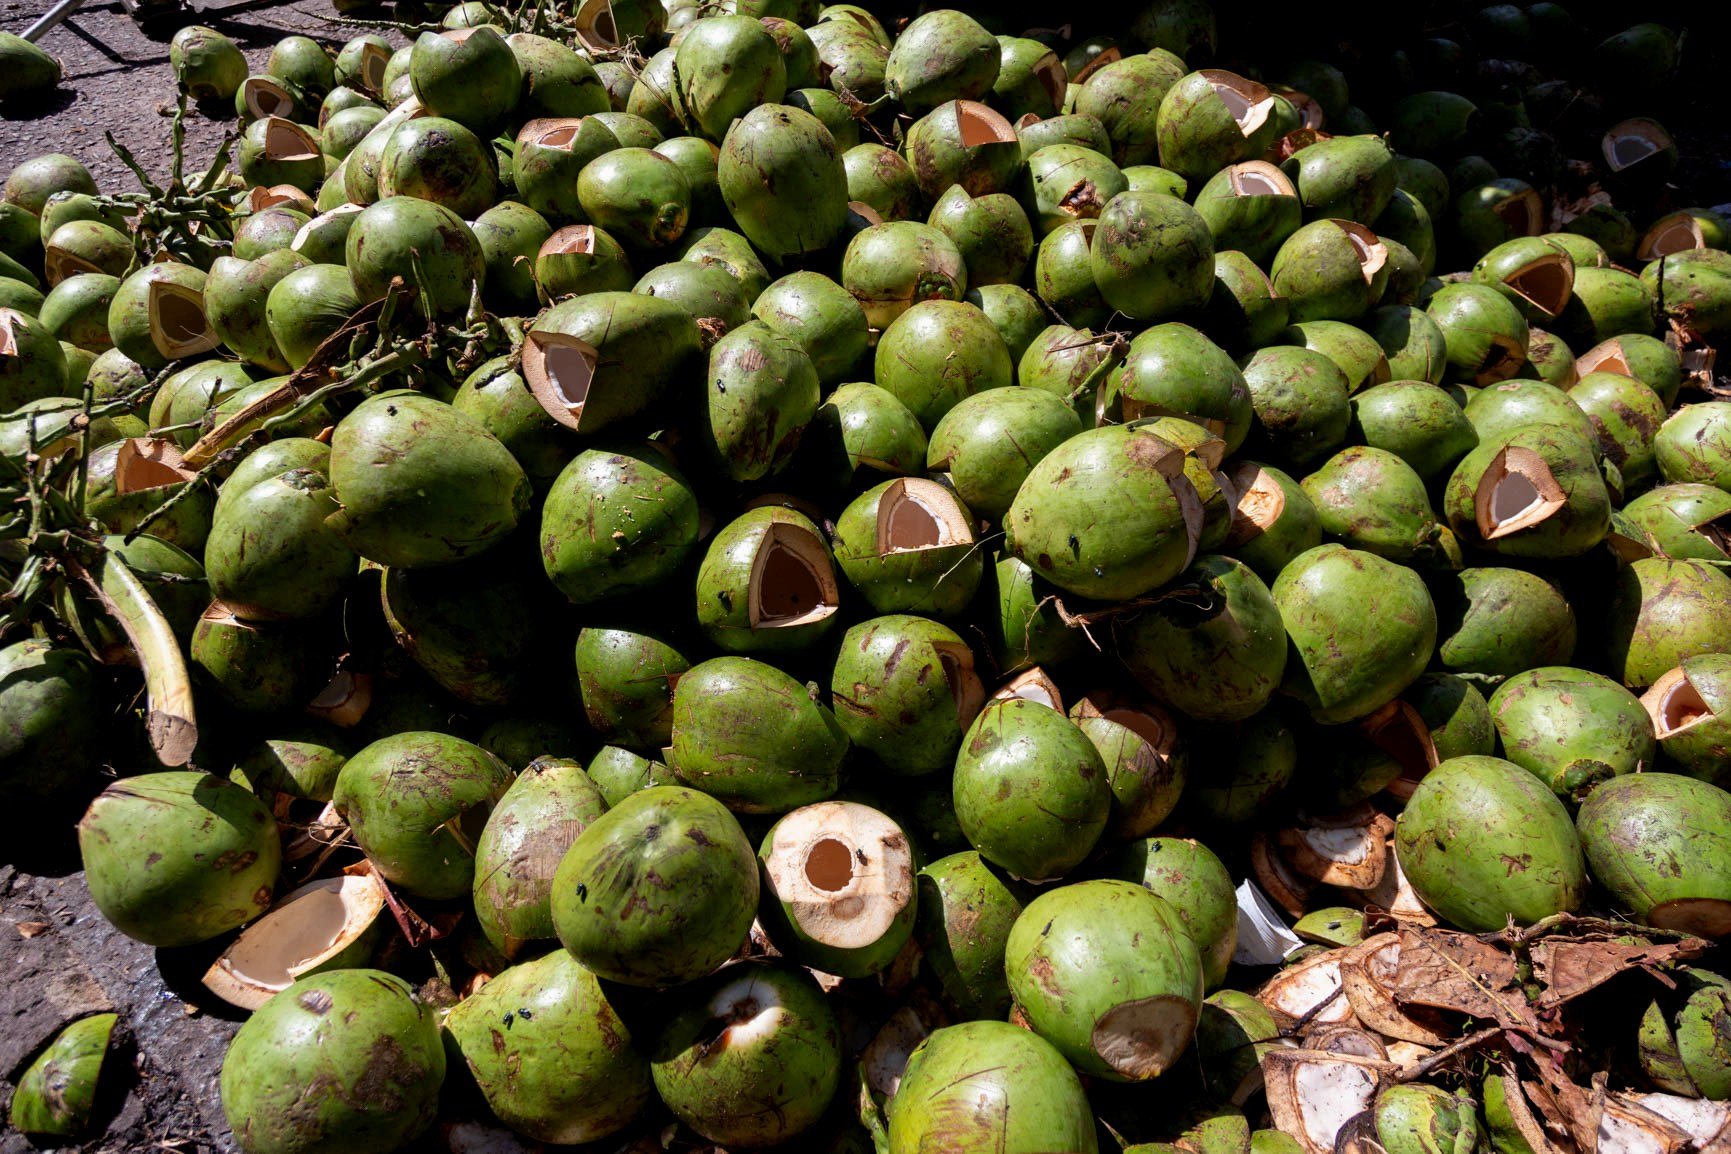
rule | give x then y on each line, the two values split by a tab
978	125
1523	213
1309	992
143	463
1366	973
1259	178
596	28
261	198
1351	856
59	263
1399	731
328	924
1516	492
1632	141
1313	1095
1287	888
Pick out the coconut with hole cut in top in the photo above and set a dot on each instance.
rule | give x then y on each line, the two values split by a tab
1691	711
909	546
767	584
1131	1026
839	894
1537	493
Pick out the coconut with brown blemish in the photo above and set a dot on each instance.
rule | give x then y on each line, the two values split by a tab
1536	274
1659	844
905	691
842	878
967	143
1107	973
1331	270
329	924
1691	711
1252	207
1351	855
1313	1095
909	546
1145	761
767	583
1211	119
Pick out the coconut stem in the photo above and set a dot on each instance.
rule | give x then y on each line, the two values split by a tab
169	717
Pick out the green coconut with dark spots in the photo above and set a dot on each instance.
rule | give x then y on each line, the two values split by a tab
910	545
966	907
496	395
541	814
420	483
988	442
417	804
1362	629
629	490
272	554
1416	421
1571	728
762	390
1030	789
1023	619
1064	276
1067	181
904	691
625	678
178	858
1534	494
1195	884
472	626
767	583
658	891
1331	270
56	1096
236	299
440	161
468	75
749	735
821	316
1371	499
880	179
1129	1030
1218	653
939	352
1657	842
1152	256
1627	416
990	231
1125	97
963	142
388	235
1483	840
1661	613
254	666
49	697
782	178
1694	445
1498	622
618	773
1176	370
1105	514
1423	1119
300	763
1300	401
341	1062
942	55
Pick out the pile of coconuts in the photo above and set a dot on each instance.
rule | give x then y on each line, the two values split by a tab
723	576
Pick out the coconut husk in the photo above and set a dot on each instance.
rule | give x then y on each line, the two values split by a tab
1313	1095
792	580
307	928
1032	685
1364	973
915	514
1309	993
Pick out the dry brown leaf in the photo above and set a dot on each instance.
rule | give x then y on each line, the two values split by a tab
1570	969
1452	971
32	929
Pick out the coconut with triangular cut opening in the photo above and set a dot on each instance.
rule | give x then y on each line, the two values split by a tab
841	876
1252	207
767	583
1213	118
600	359
909	546
1674	232
1034	685
1639	153
1331	270
329	924
1536	493
1144	756
1273	520
964	142
1691	711
264	96
550	154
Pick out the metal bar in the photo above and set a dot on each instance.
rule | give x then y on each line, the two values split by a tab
52	18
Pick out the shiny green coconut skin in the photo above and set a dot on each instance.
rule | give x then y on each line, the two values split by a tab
178	858
905	692
1657	842
625	678
1030	790
1506	815
1033	1101
339	1063
56	1095
685	922
1573	729
1194	882
418	803
542	812
550	1052
966	907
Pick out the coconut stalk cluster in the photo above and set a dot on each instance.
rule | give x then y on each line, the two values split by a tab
657	576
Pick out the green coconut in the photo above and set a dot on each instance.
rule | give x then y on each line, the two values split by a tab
1482	841
1485	335
940	56
1627	416
782	178
1692	287
301	763
438	160
157	315
821	316
637	195
628	490
905	691
1535	273
1250	765
1421	1119
1354	352
989	441
626	681
767	584
1647	359
56	1095
1064	275
1572	729
387	236
1373	500
347	1060
910	546
1152	256
1250	207
1417	421
1045	1107
1692	445
253	667
471	625
890	267
536	820
966	907
1331	270
1685	522
236	297
1108	514
28	70
1026	629
496	395
50	697
1663	612
677	865
275	151
762	390
1607	303
751	736
880	179
1496	623
1363	629
1125	95
1133	1028
469	75
1030	789
604	358
991	232
713	298
32	364
1066	182
967	143
1656	842
178	858
420	483
1687	705
1536	493
272	555
128	480
267	231
1195	884
1300	401
550	155
618	773
577	260
1273	519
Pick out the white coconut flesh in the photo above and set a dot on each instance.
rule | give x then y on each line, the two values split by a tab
792	581
977	124
143	463
264	98
1675	705
344	699
305	231
559	371
885	1058
748	1012
1248	102
843	872
1033	685
1701	1119
1258	178
1678	232
178	326
1296	992
1141	1039
1517	492
915	515
1260	502
1545	283
1313	1095
1371	252
308	927
1628	1128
